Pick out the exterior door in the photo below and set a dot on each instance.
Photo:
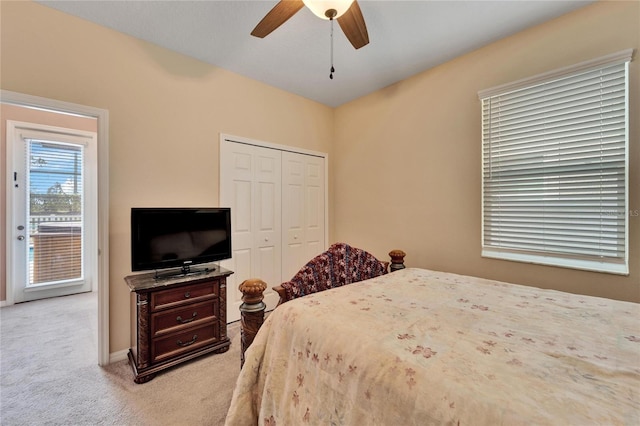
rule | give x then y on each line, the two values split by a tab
250	183
303	210
53	203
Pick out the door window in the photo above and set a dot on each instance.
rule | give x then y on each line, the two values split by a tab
55	212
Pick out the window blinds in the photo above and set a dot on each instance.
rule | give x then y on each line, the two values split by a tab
555	160
55	211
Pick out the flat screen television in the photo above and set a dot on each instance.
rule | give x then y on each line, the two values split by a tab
163	238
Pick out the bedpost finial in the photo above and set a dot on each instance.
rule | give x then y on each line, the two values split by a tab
397	259
252	290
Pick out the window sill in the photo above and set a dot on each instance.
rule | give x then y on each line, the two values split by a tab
548	260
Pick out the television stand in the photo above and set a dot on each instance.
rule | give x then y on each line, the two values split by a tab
177	319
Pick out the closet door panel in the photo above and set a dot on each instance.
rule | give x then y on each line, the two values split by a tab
267	216
241	226
314	231
314	206
293	215
250	183
303	217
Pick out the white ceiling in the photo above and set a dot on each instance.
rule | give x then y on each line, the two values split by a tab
406	37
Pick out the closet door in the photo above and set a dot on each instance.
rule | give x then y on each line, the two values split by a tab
250	183
303	210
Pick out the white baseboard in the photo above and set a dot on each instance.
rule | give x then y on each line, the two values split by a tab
118	356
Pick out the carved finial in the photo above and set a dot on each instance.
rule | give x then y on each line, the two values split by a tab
397	259
397	256
252	290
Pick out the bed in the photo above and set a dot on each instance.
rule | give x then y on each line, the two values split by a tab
420	347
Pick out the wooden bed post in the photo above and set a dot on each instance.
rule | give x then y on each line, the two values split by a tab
397	260
251	312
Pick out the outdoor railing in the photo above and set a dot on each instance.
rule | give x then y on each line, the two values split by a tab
35	220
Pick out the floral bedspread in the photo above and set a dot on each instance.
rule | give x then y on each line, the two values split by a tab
418	347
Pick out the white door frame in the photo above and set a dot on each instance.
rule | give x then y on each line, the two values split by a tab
18	133
102	117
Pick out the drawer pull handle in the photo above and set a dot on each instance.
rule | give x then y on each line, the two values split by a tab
184	321
187	295
190	342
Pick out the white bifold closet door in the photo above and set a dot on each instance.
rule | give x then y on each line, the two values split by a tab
277	201
303	210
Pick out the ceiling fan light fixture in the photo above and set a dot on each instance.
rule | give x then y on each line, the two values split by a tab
322	8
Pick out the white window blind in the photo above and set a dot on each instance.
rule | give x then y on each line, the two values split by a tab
555	167
55	211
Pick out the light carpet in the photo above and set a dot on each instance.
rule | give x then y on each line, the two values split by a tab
49	374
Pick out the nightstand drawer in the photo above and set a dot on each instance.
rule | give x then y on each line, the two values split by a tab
179	343
186	294
168	321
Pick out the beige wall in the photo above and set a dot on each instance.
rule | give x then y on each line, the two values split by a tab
166	112
408	169
28	115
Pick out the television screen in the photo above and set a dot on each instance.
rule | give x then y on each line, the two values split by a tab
179	237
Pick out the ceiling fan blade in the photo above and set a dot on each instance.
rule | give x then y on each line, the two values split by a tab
277	16
353	26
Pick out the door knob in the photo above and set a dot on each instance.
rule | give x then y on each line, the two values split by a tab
20	237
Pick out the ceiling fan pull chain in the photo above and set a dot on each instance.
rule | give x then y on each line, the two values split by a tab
332	68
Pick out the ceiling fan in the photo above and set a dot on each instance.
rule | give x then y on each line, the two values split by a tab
346	12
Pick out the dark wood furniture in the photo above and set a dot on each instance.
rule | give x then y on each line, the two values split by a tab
177	318
252	310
